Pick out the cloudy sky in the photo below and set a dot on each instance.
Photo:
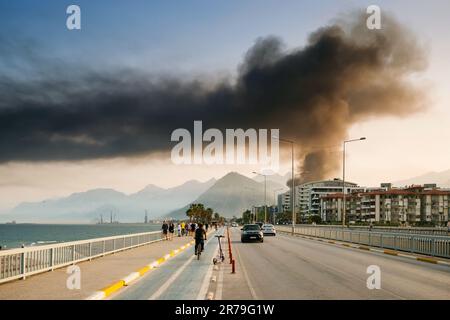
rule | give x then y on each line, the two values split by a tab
72	103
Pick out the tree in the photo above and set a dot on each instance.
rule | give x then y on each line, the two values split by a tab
284	217
315	219
190	212
208	215
198	213
246	217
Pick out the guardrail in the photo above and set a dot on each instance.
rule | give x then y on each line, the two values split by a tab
23	262
438	246
410	230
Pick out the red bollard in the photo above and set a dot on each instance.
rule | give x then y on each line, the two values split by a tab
233	267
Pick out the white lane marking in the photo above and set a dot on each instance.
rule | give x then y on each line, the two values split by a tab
244	271
219	285
98	295
205	284
171	280
131	277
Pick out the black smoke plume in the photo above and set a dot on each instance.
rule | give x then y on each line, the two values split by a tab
314	94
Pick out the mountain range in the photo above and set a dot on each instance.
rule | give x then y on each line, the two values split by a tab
442	179
229	196
233	194
90	205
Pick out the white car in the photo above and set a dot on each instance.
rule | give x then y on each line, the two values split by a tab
269	229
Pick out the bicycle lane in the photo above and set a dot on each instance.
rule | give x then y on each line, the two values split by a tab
181	278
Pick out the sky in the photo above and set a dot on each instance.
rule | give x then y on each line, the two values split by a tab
209	39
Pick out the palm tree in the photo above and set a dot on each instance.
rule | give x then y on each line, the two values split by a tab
208	215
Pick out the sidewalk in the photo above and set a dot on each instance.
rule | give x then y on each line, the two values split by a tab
95	274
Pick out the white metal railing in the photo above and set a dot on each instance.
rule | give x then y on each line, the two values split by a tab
437	231
415	243
23	262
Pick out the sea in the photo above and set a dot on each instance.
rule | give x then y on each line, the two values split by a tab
16	235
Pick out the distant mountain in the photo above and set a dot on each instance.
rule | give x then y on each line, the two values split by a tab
277	178
88	206
231	195
161	201
442	179
76	207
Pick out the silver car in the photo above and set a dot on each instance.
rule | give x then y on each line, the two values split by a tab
269	229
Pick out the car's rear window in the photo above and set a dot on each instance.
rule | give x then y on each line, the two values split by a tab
252	227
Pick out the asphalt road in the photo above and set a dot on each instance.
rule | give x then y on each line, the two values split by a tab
285	267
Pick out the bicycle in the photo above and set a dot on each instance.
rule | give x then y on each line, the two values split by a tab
198	250
221	256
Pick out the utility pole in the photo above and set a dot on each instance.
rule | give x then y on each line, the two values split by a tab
265	194
293	180
343	178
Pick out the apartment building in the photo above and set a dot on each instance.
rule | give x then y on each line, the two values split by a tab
390	205
308	195
284	202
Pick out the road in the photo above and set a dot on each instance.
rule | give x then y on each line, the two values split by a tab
285	267
180	278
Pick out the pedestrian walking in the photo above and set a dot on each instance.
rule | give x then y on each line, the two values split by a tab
171	230
192	228
182	229
179	229
165	228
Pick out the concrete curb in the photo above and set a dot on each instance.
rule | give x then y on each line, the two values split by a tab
384	251
105	292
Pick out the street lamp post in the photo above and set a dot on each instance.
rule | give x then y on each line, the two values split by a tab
293	180
265	193
343	178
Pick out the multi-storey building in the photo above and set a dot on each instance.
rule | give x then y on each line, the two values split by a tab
401	206
435	206
284	202
308	195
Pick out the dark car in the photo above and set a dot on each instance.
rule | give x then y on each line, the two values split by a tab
251	232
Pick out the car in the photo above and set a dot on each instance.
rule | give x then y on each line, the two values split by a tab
269	229
251	232
234	224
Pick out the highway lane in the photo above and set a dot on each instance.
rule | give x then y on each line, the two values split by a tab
285	267
181	278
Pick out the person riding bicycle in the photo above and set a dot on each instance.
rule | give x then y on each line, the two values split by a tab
200	237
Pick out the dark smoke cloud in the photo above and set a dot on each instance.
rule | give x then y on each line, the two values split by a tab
345	74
